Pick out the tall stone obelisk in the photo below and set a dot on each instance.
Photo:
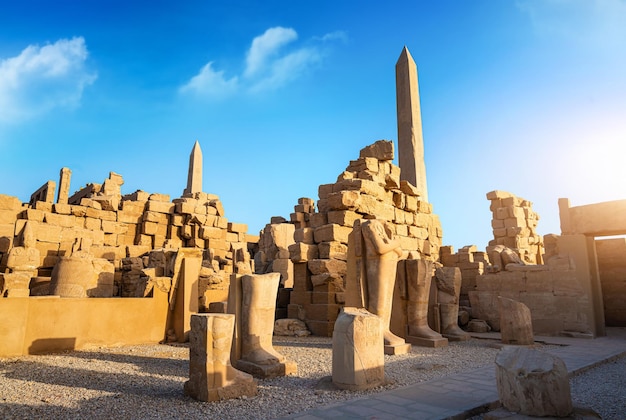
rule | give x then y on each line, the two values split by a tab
410	138
194	176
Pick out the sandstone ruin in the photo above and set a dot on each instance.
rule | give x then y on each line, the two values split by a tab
140	265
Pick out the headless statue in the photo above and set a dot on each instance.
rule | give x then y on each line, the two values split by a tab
382	252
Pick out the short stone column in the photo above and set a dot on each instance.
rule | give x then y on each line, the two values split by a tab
211	376
516	326
533	383
358	355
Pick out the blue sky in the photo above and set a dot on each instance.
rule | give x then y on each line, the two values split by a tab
525	96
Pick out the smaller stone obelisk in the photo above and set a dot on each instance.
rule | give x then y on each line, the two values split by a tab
410	138
194	177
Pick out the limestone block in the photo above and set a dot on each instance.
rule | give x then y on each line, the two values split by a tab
358	357
332	232
533	383
336	268
333	250
323	191
515	322
342	200
497	194
160	207
284	266
211	376
364	186
381	150
304	235
237	227
8	202
291	327
343	217
363	164
301	252
317	219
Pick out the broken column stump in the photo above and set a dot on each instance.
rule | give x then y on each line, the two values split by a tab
211	376
533	382
358	355
516	325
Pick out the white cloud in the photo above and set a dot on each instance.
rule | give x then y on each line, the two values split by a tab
210	83
269	64
597	24
266	46
40	79
287	68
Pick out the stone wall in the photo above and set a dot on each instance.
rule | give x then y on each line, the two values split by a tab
370	185
120	228
558	294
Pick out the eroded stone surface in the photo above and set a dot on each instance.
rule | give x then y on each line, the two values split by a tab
532	382
358	358
211	376
516	326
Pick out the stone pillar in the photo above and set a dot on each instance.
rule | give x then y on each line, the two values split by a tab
194	176
253	302
358	357
410	138
185	290
64	185
211	376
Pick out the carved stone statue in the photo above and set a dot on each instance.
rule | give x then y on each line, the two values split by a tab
23	262
418	279
252	298
448	290
381	254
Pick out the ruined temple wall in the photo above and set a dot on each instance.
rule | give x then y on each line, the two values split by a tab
470	261
514	225
370	186
612	266
141	223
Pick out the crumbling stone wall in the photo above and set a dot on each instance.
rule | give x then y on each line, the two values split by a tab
125	229
514	225
370	185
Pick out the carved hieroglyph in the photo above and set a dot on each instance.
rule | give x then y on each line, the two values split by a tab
358	357
252	298
410	137
211	376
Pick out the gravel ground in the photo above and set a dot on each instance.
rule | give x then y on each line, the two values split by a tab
143	382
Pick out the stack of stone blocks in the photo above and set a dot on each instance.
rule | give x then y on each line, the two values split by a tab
371	186
125	229
514	225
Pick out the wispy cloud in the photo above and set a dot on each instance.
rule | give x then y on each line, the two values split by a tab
597	24
273	60
266	46
210	83
40	79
